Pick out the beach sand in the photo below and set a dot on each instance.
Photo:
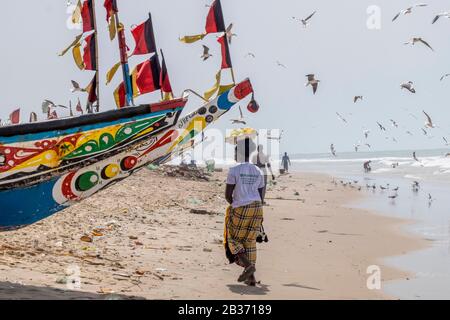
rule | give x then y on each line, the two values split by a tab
160	237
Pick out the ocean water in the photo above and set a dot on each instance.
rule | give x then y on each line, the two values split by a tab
431	266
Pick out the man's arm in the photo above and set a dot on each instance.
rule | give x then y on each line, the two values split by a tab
269	166
229	193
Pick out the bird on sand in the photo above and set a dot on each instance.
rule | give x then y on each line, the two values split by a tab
229	33
408	86
356	98
241	119
415	40
206	55
305	21
313	82
408	10
429	122
441	15
445	76
382	128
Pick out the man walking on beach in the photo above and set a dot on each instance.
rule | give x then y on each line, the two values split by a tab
262	161
244	217
286	162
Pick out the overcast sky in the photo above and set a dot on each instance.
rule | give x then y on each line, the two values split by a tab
338	47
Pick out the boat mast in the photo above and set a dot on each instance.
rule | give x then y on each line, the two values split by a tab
97	75
124	58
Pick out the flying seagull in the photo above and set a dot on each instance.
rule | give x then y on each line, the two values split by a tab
313	82
415	157
366	133
382	128
408	10
441	15
305	22
394	124
241	119
333	150
229	33
76	87
356	98
445	76
250	54
47	105
341	117
408	86
425	133
413	41
445	140
429	122
281	65
206	55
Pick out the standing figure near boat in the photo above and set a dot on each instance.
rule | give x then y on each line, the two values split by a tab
286	162
262	161
245	184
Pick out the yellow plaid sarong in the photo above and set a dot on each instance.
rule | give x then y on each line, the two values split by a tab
242	226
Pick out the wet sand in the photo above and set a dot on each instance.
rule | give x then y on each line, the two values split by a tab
160	237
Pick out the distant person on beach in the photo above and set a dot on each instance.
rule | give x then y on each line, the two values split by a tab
262	161
367	167
286	162
244	217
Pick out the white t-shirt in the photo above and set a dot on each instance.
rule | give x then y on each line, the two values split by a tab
248	179
263	159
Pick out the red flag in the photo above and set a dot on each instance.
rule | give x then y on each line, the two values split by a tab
226	59
215	22
14	117
87	14
79	108
120	96
89	57
52	115
144	37
164	80
111	8
145	77
92	90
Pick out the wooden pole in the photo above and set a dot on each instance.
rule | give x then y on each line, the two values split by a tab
124	59
97	85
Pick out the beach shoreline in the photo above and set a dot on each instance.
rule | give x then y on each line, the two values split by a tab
162	240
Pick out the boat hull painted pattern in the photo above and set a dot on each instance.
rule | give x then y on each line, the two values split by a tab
60	190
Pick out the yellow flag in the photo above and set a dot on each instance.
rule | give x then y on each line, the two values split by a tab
192	39
77	56
111	73
225	88
208	94
76	15
112	27
136	92
74	43
167	96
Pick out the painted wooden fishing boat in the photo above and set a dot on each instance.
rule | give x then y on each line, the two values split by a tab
46	167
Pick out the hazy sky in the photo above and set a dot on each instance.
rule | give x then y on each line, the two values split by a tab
338	47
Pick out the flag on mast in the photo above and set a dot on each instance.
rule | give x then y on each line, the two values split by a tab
146	77
215	23
144	37
87	15
14	117
164	81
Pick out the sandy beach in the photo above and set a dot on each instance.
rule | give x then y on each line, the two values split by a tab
158	235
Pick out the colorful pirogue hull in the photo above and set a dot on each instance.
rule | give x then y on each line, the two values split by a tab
42	173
